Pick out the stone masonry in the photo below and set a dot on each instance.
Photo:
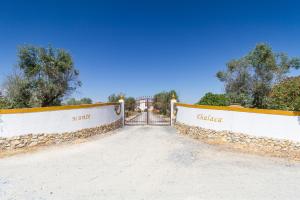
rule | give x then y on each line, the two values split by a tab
30	140
243	142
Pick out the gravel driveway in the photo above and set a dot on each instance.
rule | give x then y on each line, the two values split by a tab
146	163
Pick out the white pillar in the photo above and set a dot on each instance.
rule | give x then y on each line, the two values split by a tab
173	102
122	102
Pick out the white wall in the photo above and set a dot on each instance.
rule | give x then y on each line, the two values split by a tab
59	121
256	124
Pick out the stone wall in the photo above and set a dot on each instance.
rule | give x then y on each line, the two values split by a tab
30	140
243	142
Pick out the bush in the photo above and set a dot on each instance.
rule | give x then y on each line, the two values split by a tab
285	95
161	101
4	104
18	93
214	100
130	104
129	101
73	101
114	98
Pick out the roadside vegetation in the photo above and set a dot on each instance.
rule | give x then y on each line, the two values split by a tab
47	76
129	103
74	101
285	95
161	101
259	80
42	77
214	100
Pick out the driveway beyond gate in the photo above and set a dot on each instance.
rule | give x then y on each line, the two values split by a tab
142	162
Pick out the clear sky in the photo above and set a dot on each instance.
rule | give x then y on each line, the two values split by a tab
143	47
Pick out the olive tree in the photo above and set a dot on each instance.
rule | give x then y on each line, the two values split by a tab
45	76
249	80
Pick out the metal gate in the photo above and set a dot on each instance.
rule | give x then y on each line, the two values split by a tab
147	111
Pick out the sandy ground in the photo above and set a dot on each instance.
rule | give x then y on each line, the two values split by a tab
146	163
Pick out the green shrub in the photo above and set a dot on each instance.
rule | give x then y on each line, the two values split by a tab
161	101
285	95
114	98
130	103
4	104
214	100
74	101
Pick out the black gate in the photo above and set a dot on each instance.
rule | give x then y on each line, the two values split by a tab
147	111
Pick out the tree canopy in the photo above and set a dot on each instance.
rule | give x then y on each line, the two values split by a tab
44	77
161	101
249	80
114	98
129	101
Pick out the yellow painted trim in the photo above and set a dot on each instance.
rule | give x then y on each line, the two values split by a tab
53	108
248	110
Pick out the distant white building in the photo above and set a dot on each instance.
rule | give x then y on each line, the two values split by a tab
144	103
141	104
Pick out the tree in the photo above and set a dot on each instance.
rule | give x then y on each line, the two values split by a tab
129	101
114	98
86	101
73	101
17	91
129	104
285	95
46	75
214	100
249	80
238	81
161	101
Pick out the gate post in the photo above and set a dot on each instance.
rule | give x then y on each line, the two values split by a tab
122	103
173	102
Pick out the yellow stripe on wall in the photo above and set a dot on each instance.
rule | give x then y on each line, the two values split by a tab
248	110
53	108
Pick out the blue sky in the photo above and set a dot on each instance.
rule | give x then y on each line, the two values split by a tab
143	47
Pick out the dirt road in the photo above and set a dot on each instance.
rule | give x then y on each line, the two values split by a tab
146	163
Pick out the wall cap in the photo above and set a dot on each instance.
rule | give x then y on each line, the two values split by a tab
53	108
248	110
